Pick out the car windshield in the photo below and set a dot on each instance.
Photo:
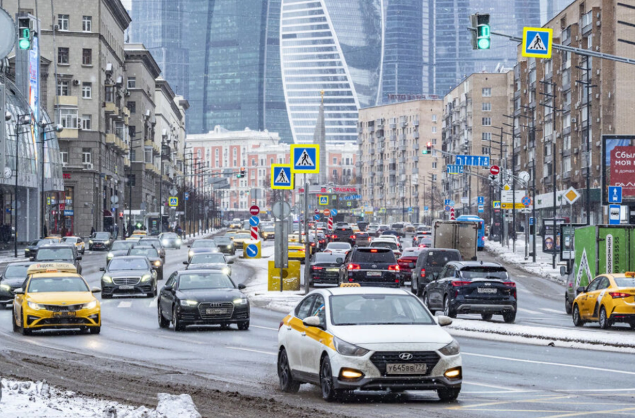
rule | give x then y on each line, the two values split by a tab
378	310
204	281
208	258
339	246
122	245
102	235
57	284
148	252
625	281
49	254
384	244
411	253
396	226
44	242
153	242
326	258
367	255
204	244
471	273
17	271
242	236
223	241
128	264
71	240
441	258
169	235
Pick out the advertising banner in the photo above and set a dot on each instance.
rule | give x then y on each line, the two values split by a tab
618	167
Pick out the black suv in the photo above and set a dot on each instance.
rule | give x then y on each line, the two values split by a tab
472	287
343	234
370	267
430	263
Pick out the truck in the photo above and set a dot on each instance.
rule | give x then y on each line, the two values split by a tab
461	236
598	249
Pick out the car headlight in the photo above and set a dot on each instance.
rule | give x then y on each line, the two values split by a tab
451	349
227	270
90	305
5	287
189	303
157	263
90	242
178	242
240	301
107	241
35	306
106	278
165	242
190	253
146	278
110	256
348	349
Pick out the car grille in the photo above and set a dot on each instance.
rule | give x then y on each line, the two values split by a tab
59	321
381	358
202	307
63	308
126	281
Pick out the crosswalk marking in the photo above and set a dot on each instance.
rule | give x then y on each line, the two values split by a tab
124	304
529	312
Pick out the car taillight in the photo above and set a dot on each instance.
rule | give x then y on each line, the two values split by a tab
313	244
303	249
458	283
352	236
394	267
350	280
333	236
317	268
510	284
618	295
373	251
354	266
423	272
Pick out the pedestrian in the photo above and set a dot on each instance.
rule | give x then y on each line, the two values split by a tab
46	232
92	231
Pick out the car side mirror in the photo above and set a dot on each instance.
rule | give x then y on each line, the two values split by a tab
102	268
242	287
168	288
435	276
563	271
411	265
230	261
95	290
19	291
185	262
443	321
312	321
581	290
79	257
339	260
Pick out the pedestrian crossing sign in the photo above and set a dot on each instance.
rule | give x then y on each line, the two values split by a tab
173	201
281	177
537	42
324	200
305	158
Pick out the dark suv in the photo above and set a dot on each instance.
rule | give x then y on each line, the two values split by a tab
370	267
343	234
472	287
430	262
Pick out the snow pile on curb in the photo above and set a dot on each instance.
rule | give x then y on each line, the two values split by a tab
257	291
573	338
38	399
506	255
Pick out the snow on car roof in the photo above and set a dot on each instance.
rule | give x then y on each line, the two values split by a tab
363	291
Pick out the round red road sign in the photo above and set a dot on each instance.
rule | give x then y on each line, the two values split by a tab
494	170
254	210
317	211
327	213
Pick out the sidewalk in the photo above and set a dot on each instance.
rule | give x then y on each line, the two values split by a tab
543	265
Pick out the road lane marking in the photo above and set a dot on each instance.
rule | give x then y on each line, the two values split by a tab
253	351
540	399
485	385
124	304
578	414
553	311
529	312
153	304
547	363
269	328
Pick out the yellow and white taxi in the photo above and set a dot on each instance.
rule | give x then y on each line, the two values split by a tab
140	233
78	242
55	296
296	251
608	299
370	339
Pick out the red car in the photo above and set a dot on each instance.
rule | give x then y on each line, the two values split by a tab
407	259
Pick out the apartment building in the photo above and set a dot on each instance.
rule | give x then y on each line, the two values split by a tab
397	179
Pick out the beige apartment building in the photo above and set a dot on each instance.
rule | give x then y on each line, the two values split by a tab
398	181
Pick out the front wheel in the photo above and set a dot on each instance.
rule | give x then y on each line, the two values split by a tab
16	328
577	320
243	326
605	322
287	383
176	322
95	330
329	393
23	329
448	395
486	316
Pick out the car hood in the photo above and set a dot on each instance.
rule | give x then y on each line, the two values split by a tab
212	266
127	273
119	252
203	250
210	295
57	298
374	336
13	282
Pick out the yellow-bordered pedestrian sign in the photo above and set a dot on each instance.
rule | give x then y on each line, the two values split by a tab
281	177
173	201
323	200
537	42
305	159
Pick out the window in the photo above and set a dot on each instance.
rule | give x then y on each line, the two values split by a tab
87	56
62	55
62	22
64	155
434	177
68	118
87	23
87	156
132	82
434	129
487	107
485	150
87	122
487	136
487	121
132	131
434	165
87	91
566	164
334	160
566	142
132	107
62	88
487	92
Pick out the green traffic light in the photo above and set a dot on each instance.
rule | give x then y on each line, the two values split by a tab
483	43
24	44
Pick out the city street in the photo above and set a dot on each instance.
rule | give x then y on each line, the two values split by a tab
133	359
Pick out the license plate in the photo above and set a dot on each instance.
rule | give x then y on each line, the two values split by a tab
126	287
64	314
487	290
216	311
415	368
373	274
332	270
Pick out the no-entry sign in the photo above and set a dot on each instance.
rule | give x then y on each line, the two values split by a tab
254	210
327	213
494	170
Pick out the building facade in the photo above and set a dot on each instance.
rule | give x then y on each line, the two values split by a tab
394	173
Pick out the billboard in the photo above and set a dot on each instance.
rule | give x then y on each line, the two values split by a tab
618	166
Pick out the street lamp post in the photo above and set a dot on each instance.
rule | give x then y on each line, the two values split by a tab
21	120
58	128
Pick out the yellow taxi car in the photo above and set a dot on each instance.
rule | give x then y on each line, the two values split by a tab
55	296
140	233
240	237
608	299
78	242
268	232
235	224
296	251
54	237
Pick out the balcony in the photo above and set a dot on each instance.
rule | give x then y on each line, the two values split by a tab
393	126
151	168
111	139
415	159
166	178
126	162
403	124
402	171
402	146
416	122
111	108
415	135
415	170
392	172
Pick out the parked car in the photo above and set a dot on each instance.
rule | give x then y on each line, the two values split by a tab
430	262
325	268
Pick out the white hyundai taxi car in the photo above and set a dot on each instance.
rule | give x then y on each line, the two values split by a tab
367	339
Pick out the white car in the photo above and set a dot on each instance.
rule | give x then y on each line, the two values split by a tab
368	339
339	248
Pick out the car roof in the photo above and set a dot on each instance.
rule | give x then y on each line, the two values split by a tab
130	257
475	264
190	271
21	263
362	291
142	247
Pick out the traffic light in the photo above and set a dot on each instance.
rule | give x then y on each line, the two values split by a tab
25	34
241	174
120	215
428	149
481	38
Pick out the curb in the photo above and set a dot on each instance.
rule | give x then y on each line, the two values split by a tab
524	267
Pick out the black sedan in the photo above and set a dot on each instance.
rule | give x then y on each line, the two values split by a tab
210	261
202	297
325	268
120	248
31	249
152	255
100	241
225	245
12	278
465	287
156	243
202	246
128	276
